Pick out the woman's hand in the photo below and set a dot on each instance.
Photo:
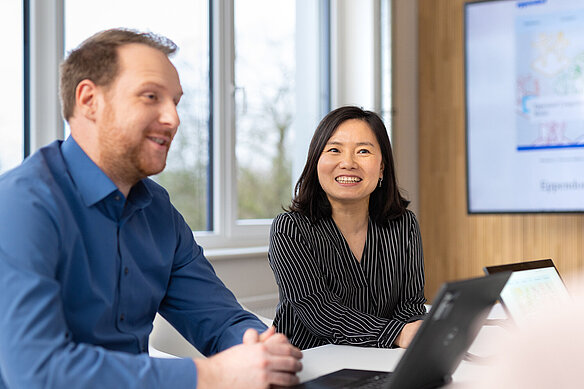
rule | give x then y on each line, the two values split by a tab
407	333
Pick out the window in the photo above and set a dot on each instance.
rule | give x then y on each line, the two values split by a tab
11	79
257	78
271	59
264	105
186	22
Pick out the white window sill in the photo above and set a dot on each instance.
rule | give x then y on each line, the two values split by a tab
220	254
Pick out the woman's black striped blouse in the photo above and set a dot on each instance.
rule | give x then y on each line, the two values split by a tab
327	296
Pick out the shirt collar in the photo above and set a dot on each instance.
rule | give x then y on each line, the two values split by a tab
140	196
93	184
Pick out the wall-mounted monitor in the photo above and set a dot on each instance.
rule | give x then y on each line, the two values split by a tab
525	106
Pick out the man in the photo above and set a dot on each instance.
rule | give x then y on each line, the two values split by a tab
91	249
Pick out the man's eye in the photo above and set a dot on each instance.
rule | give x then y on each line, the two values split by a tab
150	96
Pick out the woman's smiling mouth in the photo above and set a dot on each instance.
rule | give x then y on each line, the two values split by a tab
347	179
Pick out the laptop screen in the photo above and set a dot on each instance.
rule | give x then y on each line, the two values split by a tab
532	285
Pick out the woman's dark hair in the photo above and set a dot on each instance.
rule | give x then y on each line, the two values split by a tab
385	203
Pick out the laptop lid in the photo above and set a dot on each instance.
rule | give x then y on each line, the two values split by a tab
458	311
457	314
532	285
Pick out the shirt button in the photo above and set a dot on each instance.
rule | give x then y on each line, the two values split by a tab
117	198
126	271
122	317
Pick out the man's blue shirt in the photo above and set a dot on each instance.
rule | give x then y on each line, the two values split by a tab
84	270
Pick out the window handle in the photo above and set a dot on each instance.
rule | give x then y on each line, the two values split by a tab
241	95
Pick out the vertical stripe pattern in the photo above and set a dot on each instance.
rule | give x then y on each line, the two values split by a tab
327	296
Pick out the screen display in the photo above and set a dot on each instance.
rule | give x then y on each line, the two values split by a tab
528	291
525	106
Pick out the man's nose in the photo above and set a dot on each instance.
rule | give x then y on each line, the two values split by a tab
169	115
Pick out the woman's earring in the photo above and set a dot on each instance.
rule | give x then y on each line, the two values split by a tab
380	181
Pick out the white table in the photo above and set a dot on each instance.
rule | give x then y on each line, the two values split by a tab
326	359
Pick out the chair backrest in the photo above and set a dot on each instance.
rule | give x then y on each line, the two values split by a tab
164	337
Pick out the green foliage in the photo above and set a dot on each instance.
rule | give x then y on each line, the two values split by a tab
263	189
261	195
187	190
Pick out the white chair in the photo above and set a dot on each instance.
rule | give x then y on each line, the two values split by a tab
166	342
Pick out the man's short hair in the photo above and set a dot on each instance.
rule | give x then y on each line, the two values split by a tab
96	59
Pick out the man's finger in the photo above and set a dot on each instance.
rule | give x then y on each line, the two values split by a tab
250	337
284	364
283	349
283	379
267	333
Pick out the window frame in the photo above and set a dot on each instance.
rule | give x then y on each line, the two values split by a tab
230	232
44	51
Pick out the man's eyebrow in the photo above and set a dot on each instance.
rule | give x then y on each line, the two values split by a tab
151	84
178	96
156	85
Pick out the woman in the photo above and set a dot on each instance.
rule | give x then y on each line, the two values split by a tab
347	256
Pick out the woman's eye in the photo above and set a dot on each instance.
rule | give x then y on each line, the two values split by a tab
333	150
363	151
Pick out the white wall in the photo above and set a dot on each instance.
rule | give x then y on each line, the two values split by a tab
250	279
355	54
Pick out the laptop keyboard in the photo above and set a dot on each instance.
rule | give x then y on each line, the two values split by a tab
373	382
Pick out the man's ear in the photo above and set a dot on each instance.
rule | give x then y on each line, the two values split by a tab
86	99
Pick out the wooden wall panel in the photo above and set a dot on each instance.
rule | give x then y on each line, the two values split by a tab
458	245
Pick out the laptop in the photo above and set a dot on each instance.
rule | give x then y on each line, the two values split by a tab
447	332
532	285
